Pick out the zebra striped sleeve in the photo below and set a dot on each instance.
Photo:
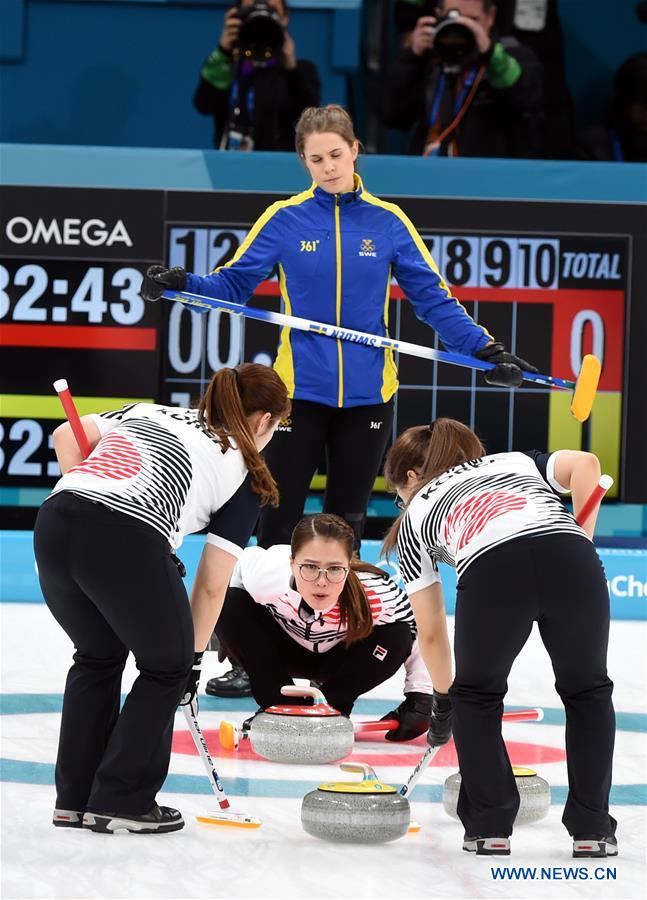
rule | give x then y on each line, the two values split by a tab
418	567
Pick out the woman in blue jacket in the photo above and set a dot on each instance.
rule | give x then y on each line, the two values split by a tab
336	247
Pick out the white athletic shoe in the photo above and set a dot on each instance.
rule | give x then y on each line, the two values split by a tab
594	846
487	846
159	820
67	818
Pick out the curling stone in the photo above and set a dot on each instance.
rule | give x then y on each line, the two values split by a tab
302	734
356	812
534	793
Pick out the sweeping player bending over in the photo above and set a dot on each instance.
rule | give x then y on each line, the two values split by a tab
104	543
520	557
312	610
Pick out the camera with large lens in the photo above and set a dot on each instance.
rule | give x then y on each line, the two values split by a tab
261	33
454	43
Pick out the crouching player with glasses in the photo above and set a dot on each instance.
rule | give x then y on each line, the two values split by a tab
312	610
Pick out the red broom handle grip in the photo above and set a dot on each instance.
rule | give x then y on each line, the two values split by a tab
385	725
523	715
73	418
598	492
517	715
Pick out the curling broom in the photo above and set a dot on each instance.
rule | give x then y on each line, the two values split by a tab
583	389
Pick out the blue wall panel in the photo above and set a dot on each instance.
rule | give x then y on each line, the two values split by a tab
136	167
121	73
12	33
598	37
626	572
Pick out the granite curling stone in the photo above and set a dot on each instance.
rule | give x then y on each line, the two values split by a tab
302	734
534	793
356	812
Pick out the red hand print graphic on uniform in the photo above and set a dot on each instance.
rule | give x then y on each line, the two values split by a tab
474	514
114	457
374	602
333	616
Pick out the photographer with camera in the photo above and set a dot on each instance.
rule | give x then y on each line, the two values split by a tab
461	89
252	83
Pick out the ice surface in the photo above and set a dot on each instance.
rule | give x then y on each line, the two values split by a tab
279	859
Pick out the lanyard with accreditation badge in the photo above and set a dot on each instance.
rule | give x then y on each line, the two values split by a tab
462	101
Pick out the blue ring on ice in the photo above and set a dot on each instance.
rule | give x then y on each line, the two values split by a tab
28	772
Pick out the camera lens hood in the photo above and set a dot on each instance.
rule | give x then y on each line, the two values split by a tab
454	43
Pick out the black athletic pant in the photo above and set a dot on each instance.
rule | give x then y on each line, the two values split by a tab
272	658
558	581
354	439
111	584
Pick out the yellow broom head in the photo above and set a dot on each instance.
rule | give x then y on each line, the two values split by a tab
585	387
230	819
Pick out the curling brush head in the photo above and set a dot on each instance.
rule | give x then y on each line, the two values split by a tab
585	387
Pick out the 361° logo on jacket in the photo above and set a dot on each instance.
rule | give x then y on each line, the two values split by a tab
367	248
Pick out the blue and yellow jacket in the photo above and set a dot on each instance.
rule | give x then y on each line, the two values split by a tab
336	254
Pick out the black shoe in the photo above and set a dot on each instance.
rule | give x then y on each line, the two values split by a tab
158	821
234	683
487	846
594	846
67	818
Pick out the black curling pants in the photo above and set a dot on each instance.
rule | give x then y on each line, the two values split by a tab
558	581
272	658
354	438
111	584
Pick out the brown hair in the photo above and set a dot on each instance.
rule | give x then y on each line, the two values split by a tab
429	450
232	396
353	603
320	119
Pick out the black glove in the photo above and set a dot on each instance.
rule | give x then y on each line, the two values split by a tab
508	366
158	279
191	688
414	716
441	720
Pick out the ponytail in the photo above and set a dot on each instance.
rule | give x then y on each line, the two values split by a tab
231	397
429	450
355	609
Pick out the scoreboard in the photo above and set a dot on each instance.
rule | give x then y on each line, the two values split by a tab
552	281
550	298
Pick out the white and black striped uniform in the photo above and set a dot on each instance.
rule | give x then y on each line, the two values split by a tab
475	506
522	560
103	543
266	575
159	465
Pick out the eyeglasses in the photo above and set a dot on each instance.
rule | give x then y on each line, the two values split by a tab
310	572
399	502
